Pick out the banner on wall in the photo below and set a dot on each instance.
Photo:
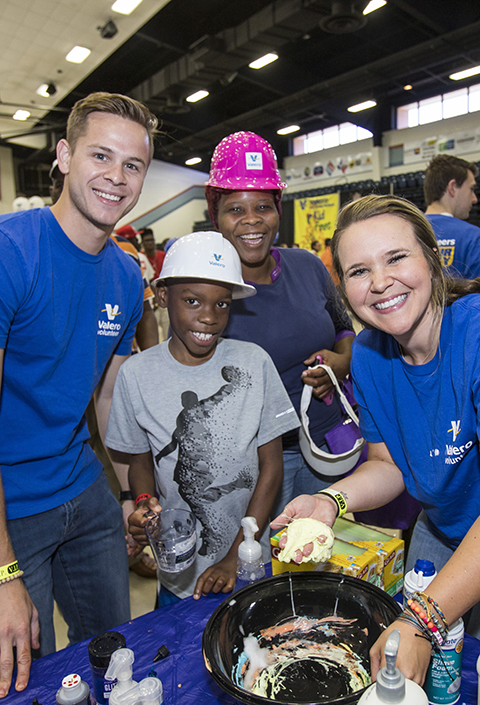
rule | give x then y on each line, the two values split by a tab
315	219
457	143
320	170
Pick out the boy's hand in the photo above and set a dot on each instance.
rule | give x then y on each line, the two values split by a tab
138	519
219	577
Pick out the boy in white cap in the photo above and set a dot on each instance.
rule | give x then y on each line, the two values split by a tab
202	416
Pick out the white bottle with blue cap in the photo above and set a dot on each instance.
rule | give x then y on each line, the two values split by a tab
416	580
391	685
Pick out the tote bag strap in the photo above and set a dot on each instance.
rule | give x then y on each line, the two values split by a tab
327	463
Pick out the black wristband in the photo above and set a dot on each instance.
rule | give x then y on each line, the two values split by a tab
124	495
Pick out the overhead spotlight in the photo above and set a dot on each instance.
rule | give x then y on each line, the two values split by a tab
108	30
263	61
125	7
374	5
46	90
21	115
288	130
195	97
473	71
78	54
408	87
192	161
361	106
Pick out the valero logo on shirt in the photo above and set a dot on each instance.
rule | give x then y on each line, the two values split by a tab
217	261
253	160
454	454
109	327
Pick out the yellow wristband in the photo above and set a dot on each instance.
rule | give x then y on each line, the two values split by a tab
339	500
7	571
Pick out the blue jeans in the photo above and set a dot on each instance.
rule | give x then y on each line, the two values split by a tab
298	478
425	545
76	554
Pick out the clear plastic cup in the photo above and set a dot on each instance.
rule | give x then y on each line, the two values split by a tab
173	539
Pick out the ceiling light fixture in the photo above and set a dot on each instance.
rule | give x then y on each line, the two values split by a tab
288	130
197	96
473	71
21	115
408	87
263	61
374	5
361	106
46	90
78	54
193	160
125	7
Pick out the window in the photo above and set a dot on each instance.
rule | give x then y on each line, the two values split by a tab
345	133
440	107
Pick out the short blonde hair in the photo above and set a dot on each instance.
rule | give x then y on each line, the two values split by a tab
114	104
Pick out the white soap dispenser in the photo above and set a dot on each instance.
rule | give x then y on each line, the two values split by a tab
250	565
148	692
391	685
121	669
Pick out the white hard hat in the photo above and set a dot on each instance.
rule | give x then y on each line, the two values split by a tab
206	255
20	203
36	202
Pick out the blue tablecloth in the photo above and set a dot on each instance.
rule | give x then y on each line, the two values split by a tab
185	679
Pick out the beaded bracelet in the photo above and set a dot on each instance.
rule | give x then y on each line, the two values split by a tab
140	497
430	622
9	578
435	607
408	619
425	604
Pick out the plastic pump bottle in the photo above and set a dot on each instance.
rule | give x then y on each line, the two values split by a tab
391	685
250	566
120	668
418	578
148	692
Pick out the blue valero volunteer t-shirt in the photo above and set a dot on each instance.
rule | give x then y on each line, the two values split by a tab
63	314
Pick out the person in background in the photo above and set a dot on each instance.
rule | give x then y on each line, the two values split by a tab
449	188
316	247
202	417
416	371
296	315
154	256
326	257
69	304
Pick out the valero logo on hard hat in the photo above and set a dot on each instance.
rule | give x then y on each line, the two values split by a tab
254	160
217	262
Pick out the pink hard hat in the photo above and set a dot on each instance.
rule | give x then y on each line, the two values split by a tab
244	160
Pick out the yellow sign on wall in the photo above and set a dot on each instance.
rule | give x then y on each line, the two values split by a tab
315	219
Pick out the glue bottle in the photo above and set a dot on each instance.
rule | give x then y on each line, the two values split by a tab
148	692
74	691
416	580
121	669
391	685
250	566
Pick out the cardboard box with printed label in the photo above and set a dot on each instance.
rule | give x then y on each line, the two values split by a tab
389	549
346	559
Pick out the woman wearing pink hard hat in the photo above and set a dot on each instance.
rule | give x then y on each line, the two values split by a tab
296	316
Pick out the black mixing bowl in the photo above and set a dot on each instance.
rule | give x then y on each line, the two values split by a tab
268	602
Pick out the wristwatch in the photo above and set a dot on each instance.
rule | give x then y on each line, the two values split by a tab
124	495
